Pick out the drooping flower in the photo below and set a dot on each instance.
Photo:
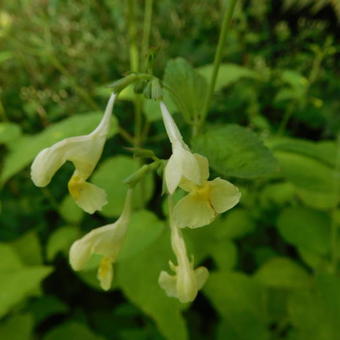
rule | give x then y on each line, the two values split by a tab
84	152
182	163
105	241
206	200
187	281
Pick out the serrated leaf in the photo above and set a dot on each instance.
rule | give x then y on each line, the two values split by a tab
186	87
235	151
27	147
110	176
227	74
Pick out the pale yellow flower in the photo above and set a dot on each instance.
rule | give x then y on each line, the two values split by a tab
84	152
206	200
187	281
105	241
182	163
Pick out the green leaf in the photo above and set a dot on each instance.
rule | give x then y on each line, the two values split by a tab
240	300
27	147
281	272
277	194
305	228
46	306
111	174
61	240
306	173
17	327
70	211
227	74
152	110
18	284
9	258
315	313
28	247
324	151
144	228
235	151
138	278
9	132
187	88
224	255
236	224
72	330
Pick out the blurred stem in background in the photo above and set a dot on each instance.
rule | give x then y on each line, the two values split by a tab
136	60
3	112
334	222
320	53
217	61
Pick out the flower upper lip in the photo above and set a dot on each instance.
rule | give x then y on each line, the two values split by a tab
84	152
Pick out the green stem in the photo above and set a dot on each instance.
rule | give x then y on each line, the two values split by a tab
286	117
147	30
334	226
218	55
3	112
132	31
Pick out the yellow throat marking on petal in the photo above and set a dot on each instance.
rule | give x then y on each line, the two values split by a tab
104	267
202	192
75	186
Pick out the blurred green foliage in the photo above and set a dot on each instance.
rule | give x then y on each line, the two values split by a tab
274	126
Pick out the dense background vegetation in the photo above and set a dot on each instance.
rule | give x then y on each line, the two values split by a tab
273	129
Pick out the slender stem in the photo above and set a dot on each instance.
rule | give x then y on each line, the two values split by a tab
286	117
132	31
146	30
3	112
334	226
218	55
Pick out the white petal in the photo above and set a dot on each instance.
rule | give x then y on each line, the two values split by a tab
190	166
80	253
203	164
88	196
103	128
201	274
223	195
186	283
170	126
193	212
168	283
173	172
83	151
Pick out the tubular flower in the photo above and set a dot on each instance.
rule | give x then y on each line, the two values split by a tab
182	163
186	281
84	152
206	200
105	241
